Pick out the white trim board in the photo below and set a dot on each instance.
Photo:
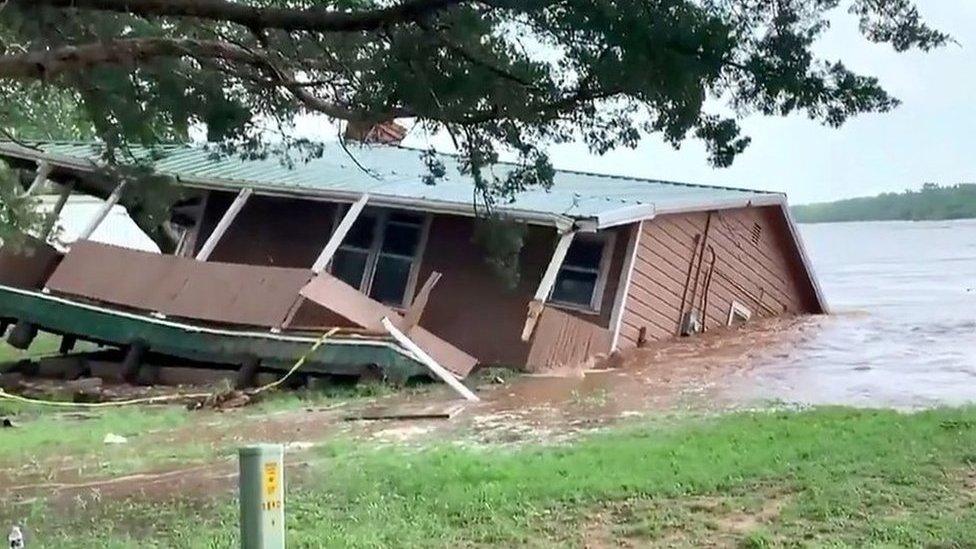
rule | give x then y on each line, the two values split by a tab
623	288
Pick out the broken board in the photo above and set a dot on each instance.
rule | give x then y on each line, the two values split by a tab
425	410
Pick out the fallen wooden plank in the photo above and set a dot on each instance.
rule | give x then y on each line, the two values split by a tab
426	359
437	410
353	306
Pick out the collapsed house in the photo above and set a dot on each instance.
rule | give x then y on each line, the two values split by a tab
271	255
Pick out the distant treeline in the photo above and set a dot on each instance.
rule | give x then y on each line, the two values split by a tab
931	202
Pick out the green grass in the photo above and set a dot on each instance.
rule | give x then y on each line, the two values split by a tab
835	477
49	433
44	344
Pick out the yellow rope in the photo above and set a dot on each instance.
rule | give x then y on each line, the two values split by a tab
146	400
298	364
167	398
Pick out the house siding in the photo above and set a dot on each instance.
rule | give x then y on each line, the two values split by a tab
756	263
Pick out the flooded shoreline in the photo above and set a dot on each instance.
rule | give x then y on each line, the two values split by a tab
901	333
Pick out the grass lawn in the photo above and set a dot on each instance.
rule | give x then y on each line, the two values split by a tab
44	344
821	477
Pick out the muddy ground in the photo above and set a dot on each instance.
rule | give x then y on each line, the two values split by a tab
680	377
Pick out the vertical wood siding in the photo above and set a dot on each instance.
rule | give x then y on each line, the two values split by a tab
755	262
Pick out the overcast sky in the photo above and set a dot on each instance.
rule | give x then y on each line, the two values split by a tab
930	137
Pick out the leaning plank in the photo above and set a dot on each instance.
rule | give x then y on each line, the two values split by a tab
424	410
358	309
102	212
546	284
416	310
437	369
340	234
235	208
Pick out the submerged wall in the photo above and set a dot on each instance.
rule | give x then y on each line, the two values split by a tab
685	261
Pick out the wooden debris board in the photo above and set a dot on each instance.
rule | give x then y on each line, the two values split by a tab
436	410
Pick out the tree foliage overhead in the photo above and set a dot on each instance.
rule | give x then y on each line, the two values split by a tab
497	75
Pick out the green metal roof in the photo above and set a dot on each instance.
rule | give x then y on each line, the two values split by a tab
393	175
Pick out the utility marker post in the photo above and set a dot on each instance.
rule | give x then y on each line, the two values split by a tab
262	495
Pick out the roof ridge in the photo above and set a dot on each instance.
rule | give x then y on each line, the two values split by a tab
604	175
197	145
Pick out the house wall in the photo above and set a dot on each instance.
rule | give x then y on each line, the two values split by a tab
269	231
470	307
756	262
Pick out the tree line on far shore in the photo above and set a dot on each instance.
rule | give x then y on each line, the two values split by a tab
931	202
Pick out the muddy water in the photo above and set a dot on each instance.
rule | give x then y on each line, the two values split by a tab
904	329
902	334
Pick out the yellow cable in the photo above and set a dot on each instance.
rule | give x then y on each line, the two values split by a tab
298	364
166	398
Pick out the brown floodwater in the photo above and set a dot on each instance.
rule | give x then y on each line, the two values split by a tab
902	334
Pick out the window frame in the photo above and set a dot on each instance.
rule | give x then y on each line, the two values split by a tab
602	271
738	310
374	251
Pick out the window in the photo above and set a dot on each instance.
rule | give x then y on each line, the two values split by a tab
583	274
380	255
738	314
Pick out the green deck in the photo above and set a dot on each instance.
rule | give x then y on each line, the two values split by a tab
341	354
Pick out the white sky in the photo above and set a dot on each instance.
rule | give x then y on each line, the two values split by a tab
930	137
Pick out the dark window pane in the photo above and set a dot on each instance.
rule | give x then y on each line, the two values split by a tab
348	266
401	217
390	280
574	287
585	253
401	239
361	233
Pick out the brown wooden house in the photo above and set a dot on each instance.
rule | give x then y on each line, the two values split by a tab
608	263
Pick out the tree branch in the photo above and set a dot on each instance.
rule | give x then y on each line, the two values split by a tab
47	65
252	17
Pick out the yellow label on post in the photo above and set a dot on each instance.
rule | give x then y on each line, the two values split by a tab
272	478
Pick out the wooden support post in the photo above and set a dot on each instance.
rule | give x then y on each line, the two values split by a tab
56	213
235	208
623	286
22	335
340	234
67	344
103	212
132	362
43	170
247	373
438	370
546	284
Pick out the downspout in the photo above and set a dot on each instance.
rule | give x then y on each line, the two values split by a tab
700	256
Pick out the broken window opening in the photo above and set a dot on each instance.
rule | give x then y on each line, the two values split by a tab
380	255
583	274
